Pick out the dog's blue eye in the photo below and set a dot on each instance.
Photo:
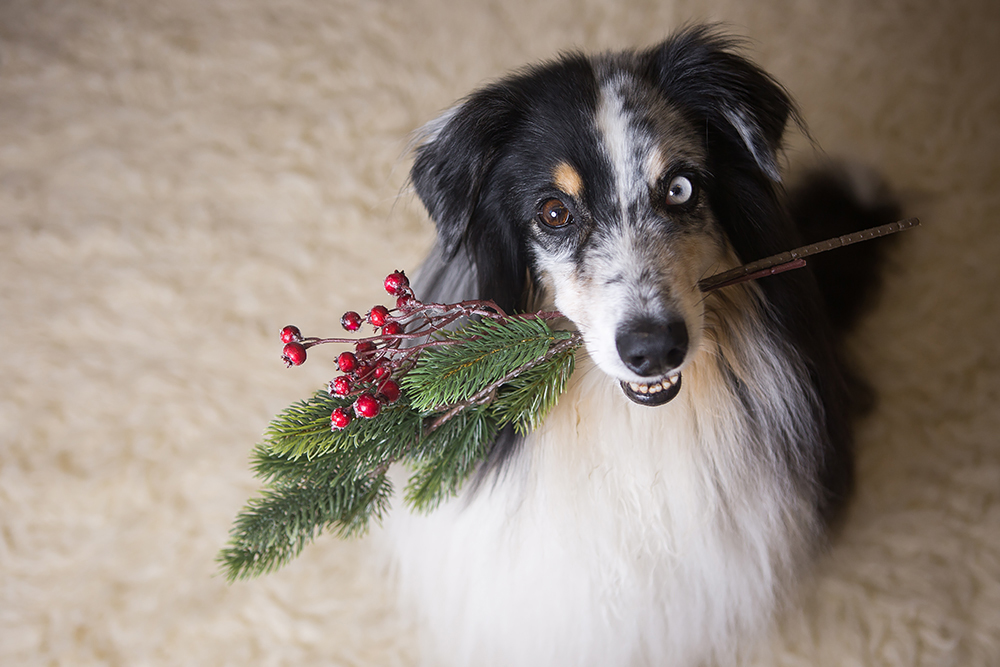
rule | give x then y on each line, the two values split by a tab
553	213
680	191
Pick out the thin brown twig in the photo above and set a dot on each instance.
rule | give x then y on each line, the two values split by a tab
789	260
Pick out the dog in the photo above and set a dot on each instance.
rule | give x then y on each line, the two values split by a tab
701	453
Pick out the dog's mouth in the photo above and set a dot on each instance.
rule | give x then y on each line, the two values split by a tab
657	393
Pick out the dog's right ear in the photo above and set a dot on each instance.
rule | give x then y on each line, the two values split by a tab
454	155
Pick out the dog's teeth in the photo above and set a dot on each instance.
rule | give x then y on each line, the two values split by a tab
665	383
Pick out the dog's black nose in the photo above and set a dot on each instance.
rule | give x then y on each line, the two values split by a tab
650	348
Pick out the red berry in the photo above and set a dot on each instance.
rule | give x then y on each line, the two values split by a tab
291	334
362	371
378	316
390	390
293	354
341	386
364	346
347	362
351	321
392	329
405	302
396	283
382	372
340	419
366	406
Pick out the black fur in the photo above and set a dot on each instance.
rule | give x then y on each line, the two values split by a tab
450	173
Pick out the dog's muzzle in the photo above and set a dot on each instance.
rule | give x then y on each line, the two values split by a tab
653	349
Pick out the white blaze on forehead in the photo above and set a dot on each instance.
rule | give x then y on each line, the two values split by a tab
630	266
628	148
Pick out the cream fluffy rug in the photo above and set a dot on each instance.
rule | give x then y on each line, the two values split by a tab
180	179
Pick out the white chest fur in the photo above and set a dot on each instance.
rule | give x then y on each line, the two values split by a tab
619	535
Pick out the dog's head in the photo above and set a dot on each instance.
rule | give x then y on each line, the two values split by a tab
612	185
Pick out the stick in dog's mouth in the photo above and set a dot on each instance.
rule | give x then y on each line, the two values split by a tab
664	391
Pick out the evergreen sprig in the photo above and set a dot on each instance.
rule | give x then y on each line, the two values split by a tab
489	350
303	429
447	456
459	390
526	400
274	527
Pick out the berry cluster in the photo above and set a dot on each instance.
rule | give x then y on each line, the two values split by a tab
370	372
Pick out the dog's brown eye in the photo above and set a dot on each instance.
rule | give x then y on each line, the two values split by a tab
680	191
553	213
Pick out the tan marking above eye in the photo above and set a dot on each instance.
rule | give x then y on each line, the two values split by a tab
553	213
568	180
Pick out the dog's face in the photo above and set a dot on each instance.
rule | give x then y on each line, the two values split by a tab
621	236
597	182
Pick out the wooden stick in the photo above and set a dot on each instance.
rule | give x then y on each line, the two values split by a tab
794	259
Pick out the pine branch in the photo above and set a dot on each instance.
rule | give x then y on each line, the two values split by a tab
319	477
449	374
275	527
303	429
526	400
447	456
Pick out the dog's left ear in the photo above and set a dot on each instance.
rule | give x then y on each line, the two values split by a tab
699	70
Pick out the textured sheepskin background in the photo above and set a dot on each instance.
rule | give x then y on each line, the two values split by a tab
180	179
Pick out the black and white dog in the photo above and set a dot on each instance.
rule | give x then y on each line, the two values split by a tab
691	470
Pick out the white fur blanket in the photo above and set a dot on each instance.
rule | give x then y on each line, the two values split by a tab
180	179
